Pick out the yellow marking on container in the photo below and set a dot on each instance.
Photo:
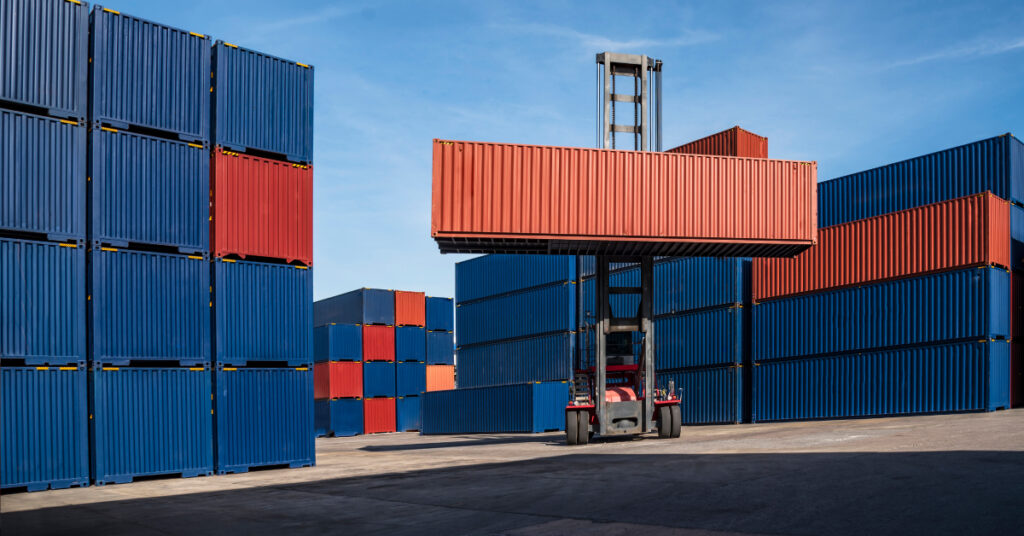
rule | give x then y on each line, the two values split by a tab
74	2
229	260
108	10
196	34
196	257
196	145
111	368
69	122
42	368
69	245
301	368
68	368
230	45
88	298
88	179
230	368
303	267
211	304
211	412
196	369
108	249
108	129
302	65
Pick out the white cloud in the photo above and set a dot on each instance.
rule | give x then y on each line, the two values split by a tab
598	42
968	50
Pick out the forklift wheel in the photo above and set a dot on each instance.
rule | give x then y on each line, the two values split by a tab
571	432
583	428
664	422
676	421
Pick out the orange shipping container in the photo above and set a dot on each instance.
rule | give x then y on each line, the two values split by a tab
440	377
338	379
732	142
410	308
378	415
504	198
968	231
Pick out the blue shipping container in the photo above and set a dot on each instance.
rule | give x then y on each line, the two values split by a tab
995	165
407	414
526	407
361	306
708	395
41	175
379	379
493	275
440	314
263	312
1017	234
262	102
150	421
44	55
341	417
263	416
148	306
42	302
146	74
534	311
338	342
148	190
440	348
410	343
544	358
44	427
964	376
410	378
969	304
701	339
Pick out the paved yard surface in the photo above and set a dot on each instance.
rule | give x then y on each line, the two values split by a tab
950	474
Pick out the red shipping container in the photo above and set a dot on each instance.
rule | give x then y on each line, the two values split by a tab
968	231
260	208
338	379
410	308
505	198
732	142
378	415
440	377
378	343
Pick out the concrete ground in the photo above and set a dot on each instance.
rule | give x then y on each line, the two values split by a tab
951	474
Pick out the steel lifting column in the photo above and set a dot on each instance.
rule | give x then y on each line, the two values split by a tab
644	97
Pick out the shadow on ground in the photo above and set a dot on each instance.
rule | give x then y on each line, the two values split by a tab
978	492
467	442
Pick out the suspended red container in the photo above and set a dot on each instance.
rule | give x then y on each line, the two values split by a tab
378	415
378	343
732	142
504	198
261	208
338	379
410	308
968	231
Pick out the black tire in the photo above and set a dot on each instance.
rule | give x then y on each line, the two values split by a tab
583	427
677	421
664	422
571	427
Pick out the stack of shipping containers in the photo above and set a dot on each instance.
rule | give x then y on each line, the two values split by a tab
338	378
262	240
440	324
410	358
903	307
43	140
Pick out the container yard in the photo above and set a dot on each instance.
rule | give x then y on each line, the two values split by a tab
666	329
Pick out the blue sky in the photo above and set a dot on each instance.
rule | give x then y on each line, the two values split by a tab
852	85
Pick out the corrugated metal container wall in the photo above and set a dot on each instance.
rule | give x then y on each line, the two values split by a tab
440	315
410	308
700	282
527	407
261	208
338	379
378	379
339	418
148	306
44	55
410	378
148	190
42	302
44	418
263	416
962	232
378	415
440	377
274	324
969	304
708	396
407	414
983	166
410	343
544	358
440	348
378	343
360	306
493	197
149	75
530	312
338	342
1017	236
700	339
732	142
492	275
150	421
966	376
41	175
262	102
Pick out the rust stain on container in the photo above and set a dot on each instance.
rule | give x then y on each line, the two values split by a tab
732	142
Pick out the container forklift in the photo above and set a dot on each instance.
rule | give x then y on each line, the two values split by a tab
615	394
